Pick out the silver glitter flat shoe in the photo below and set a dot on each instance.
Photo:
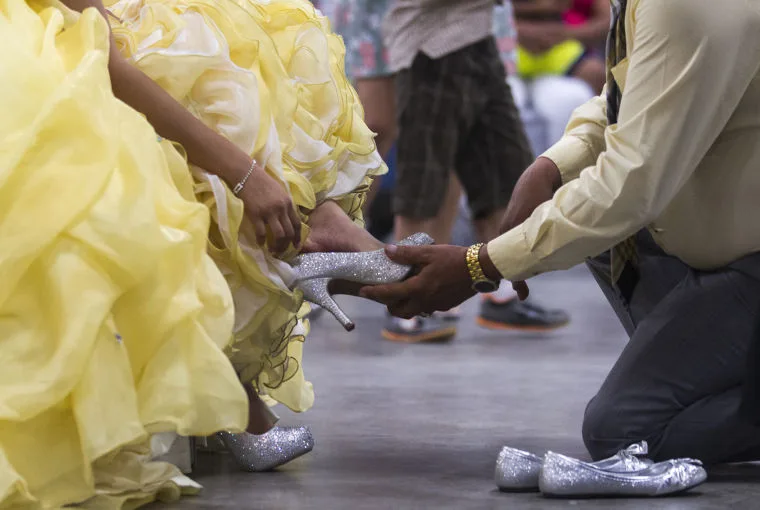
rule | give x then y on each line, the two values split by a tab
268	451
314	271
517	470
565	477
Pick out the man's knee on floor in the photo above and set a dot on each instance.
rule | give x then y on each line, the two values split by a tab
605	430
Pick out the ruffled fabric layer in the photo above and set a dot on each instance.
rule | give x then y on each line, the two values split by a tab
113	319
269	76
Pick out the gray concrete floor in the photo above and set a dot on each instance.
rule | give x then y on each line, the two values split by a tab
419	426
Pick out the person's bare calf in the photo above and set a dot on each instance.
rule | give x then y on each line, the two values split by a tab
487	228
377	96
260	419
438	227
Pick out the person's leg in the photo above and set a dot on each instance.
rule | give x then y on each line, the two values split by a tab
438	227
377	97
555	98
677	382
260	418
750	407
430	118
534	123
662	273
496	150
433	109
490	160
359	22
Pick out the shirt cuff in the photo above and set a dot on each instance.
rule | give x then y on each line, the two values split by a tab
512	256
571	156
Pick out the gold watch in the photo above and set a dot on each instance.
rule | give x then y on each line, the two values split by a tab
480	283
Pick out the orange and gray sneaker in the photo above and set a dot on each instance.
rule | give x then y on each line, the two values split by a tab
418	330
513	314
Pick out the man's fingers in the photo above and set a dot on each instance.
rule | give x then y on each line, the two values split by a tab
389	294
522	290
404	309
407	255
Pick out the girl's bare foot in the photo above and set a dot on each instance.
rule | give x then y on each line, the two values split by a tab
333	231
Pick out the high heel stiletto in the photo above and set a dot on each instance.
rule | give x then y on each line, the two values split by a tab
315	271
316	291
268	451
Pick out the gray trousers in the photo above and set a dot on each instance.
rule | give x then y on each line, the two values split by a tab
678	382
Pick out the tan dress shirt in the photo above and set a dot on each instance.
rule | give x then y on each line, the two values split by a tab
683	159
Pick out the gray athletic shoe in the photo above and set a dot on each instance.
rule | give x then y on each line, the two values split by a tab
418	330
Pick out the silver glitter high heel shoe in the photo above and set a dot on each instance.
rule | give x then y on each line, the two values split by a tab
268	451
517	470
565	477
315	271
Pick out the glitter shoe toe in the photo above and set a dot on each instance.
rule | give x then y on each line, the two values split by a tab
268	451
517	470
314	271
565	477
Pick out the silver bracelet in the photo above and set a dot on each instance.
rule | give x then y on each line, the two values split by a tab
239	186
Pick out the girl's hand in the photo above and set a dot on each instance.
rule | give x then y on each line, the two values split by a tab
269	207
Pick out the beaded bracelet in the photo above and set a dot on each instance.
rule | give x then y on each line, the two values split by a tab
239	186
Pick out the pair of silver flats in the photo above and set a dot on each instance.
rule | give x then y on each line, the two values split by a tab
627	474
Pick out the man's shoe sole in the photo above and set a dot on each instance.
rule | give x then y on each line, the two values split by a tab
502	326
439	335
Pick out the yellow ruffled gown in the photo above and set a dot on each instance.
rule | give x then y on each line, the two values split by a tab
112	316
267	74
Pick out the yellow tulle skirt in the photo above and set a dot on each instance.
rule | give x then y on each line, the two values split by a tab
268	75
113	318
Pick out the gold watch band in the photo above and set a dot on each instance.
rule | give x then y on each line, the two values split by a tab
473	263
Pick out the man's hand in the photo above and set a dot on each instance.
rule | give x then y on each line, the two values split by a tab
442	282
536	186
